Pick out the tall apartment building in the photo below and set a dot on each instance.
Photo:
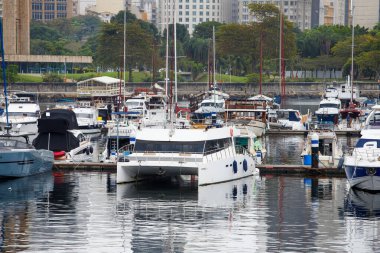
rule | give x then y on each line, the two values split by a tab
46	10
82	5
16	25
142	9
192	12
297	11
366	13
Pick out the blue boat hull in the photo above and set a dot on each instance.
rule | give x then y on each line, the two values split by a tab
365	178
26	162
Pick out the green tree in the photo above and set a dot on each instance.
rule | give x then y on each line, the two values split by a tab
110	48
11	74
204	30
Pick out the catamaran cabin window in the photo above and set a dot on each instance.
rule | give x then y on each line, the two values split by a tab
168	146
361	142
216	145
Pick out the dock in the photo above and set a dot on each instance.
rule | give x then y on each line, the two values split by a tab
305	132
85	166
302	170
265	169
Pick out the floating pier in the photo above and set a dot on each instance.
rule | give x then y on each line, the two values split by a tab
265	169
85	166
284	169
305	132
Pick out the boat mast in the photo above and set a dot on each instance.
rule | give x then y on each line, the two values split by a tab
175	55
124	49
352	50
213	59
167	50
4	67
282	55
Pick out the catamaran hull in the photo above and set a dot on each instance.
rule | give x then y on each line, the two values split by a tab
208	172
21	163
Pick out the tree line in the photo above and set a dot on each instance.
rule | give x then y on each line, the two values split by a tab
237	45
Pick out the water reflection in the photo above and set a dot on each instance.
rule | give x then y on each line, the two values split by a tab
362	204
17	199
175	218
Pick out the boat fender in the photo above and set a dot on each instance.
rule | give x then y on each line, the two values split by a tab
234	191
91	149
245	165
87	150
245	189
340	163
234	166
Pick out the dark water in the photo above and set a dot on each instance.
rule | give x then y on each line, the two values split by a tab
87	212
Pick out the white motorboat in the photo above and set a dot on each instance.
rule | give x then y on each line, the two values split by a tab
287	119
252	113
329	149
347	93
211	154
331	92
23	113
362	167
87	118
328	112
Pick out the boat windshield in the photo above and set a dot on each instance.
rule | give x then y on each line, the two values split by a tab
374	121
361	142
169	146
84	115
330	105
9	143
217	105
133	104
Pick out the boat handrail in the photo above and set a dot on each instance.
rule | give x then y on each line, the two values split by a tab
366	154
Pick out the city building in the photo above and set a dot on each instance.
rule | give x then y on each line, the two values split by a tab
366	13
192	12
16	25
16	15
82	5
142	9
297	11
46	10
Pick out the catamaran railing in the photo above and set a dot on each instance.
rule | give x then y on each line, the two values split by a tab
160	156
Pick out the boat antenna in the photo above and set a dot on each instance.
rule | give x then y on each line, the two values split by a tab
124	50
352	50
4	67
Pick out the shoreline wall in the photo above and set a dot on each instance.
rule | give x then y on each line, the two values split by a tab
51	91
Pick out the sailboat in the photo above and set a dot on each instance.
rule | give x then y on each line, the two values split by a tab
18	158
211	154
